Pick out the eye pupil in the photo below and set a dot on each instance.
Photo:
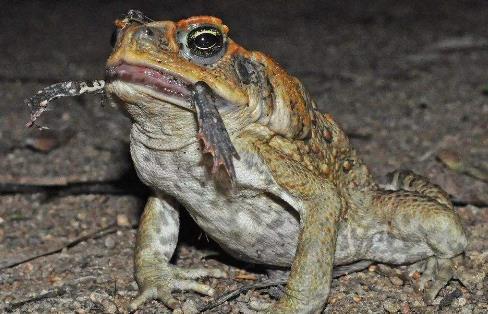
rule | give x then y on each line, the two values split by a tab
205	41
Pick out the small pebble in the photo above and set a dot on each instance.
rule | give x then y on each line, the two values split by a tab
122	220
460	302
189	307
396	281
243	309
257	305
391	307
109	243
42	144
405	308
275	292
108	306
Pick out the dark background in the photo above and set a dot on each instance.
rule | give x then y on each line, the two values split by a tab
407	80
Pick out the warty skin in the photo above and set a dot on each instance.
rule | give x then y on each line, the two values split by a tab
302	198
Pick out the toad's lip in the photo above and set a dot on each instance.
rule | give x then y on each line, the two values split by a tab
157	83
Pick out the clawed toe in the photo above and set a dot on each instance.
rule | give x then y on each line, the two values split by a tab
197	273
437	273
183	285
161	294
159	287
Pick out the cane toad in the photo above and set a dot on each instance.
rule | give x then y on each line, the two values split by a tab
301	197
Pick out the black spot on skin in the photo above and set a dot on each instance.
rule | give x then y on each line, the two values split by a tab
250	71
157	229
275	224
162	219
157	255
242	72
174	215
163	241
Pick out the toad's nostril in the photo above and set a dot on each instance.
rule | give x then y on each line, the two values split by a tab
145	33
148	32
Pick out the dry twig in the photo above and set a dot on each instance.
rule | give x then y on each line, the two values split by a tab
92	235
232	294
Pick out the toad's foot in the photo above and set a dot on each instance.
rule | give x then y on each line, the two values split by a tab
436	274
156	241
158	281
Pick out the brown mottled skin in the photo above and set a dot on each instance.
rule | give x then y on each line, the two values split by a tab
302	197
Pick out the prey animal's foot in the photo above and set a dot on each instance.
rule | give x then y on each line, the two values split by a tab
158	281
436	274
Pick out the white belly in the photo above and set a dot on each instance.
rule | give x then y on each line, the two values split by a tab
248	223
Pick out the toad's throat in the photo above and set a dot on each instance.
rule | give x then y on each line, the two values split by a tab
157	80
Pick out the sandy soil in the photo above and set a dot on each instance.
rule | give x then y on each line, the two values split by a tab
408	81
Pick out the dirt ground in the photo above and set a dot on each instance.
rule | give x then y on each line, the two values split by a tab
408	81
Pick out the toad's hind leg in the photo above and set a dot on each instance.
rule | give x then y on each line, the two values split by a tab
419	222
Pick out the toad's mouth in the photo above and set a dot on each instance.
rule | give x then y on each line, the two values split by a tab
159	84
198	97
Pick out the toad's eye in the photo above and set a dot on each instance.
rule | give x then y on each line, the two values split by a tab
205	41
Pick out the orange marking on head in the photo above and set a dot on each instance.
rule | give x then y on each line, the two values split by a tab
204	19
120	24
329	117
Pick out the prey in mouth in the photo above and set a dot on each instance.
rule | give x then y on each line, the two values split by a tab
167	87
197	97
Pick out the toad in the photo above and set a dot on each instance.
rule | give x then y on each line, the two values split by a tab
286	189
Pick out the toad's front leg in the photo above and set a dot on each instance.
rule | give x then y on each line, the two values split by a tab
319	207
311	272
156	241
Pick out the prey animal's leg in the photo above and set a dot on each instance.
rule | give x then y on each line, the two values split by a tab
418	223
156	241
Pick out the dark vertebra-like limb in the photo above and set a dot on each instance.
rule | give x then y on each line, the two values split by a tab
38	103
212	130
